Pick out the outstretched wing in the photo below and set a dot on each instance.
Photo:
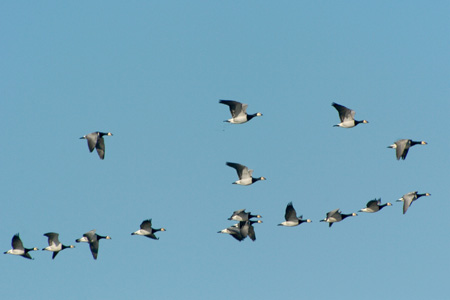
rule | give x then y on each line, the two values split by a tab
92	140
100	146
344	112
52	238
241	170
236	108
16	242
94	248
147	225
291	214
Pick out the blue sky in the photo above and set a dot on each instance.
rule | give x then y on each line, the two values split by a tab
152	72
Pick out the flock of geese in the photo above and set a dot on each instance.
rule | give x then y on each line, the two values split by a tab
244	228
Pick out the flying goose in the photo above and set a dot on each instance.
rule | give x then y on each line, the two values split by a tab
402	147
241	230
95	140
245	175
246	228
147	230
347	116
374	206
336	216
409	198
54	244
18	249
93	239
238	112
234	231
291	217
241	215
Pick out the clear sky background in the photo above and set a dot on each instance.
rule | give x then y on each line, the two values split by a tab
152	72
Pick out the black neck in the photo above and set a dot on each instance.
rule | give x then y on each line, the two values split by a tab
249	117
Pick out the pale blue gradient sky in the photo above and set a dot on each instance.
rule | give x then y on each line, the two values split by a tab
152	72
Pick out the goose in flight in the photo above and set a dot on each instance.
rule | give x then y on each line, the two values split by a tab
402	147
147	230
336	216
241	215
347	116
238	112
291	217
19	249
245	175
409	198
54	245
374	206
95	140
93	239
